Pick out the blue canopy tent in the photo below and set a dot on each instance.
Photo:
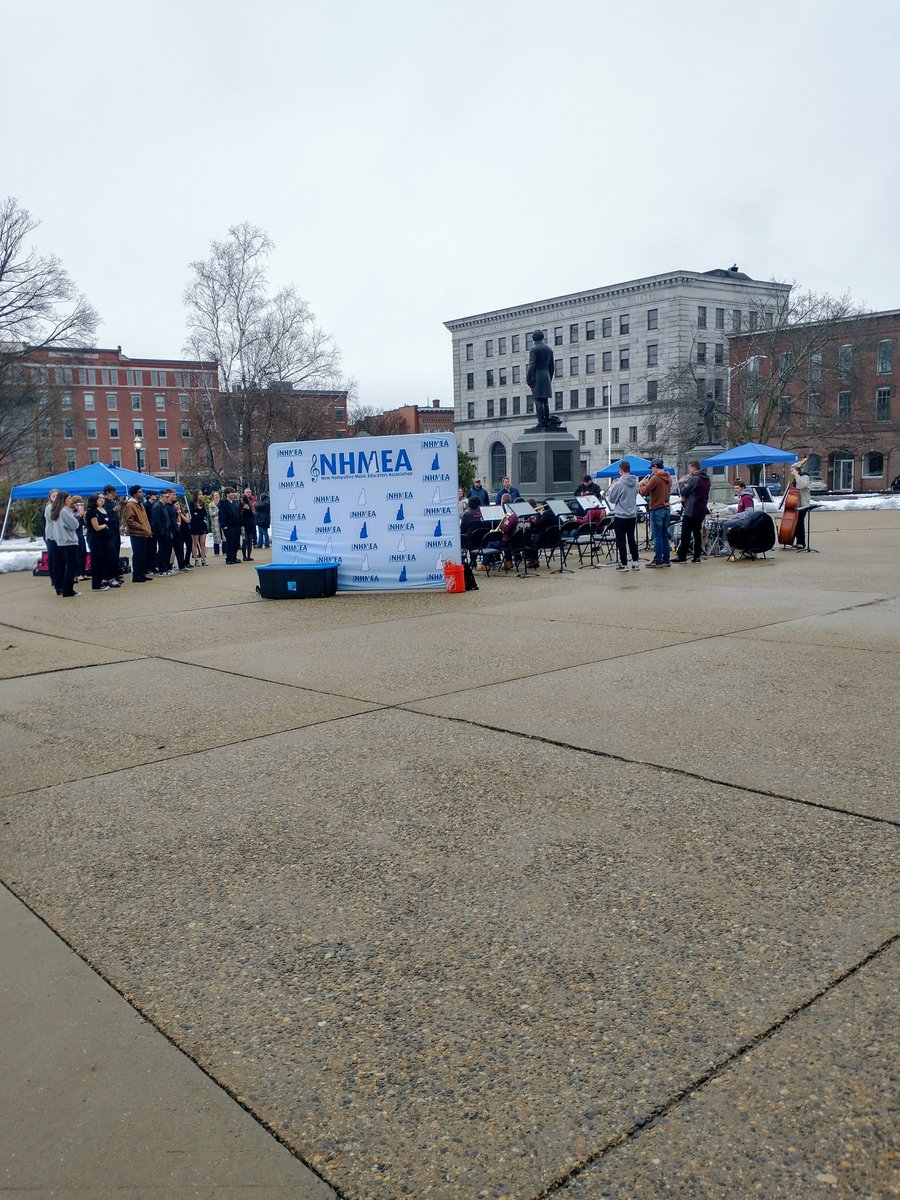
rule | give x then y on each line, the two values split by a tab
750	454
639	466
84	480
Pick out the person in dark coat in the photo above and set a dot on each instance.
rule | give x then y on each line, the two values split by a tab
230	524
539	378
161	528
588	487
478	492
694	489
115	530
248	524
263	520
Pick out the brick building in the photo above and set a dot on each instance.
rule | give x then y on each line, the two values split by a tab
429	418
836	402
102	406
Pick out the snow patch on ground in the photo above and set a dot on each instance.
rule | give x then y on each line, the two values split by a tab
19	554
851	503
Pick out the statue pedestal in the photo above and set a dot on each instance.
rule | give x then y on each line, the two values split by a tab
546	463
720	489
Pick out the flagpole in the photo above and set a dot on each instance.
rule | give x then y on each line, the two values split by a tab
609	427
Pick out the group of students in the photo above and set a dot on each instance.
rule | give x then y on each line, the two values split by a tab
166	534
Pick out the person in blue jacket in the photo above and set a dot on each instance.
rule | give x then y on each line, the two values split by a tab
506	488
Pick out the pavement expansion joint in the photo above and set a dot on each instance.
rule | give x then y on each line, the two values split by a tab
639	762
339	1195
643	1124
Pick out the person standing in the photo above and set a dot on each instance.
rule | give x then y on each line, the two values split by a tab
96	520
162	531
694	489
54	558
479	492
622	499
507	490
248	524
137	525
656	487
198	529
115	533
263	512
230	523
65	524
214	526
800	480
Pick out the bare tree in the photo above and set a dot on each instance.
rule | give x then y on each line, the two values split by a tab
39	307
266	347
364	418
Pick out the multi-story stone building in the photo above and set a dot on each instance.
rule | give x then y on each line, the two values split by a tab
613	347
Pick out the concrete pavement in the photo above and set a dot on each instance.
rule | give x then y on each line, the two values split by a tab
576	886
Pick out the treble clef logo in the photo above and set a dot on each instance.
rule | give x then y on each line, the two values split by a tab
314	471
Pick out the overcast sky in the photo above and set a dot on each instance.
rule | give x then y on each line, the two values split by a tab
418	160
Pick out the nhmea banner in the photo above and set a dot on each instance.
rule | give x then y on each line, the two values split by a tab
384	508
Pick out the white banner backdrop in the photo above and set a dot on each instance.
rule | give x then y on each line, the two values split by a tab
384	508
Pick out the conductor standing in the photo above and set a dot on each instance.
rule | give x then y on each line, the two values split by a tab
539	378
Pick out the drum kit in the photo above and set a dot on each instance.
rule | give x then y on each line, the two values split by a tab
715	538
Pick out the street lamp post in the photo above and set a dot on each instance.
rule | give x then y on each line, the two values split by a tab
138	455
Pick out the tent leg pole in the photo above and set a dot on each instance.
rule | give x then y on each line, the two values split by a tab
6	517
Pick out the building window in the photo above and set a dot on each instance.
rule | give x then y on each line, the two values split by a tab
813	408
558	401
590	397
91	427
489	348
573	366
652	390
815	366
161	430
517	405
573	334
65	401
158	379
606	362
701	316
615	435
498	465
884	359
114	430
490	407
786	362
735	320
470	351
701	354
590	331
135	401
653	354
503	376
89	401
470	410
501	345
112	401
185	405
651	433
68	429
502	406
138	428
845	361
573	398
632	433
515	343
606	394
70	460
160	403
590	364
598	437
470	381
558	335
623	393
653	318
883	404
94	454
63	375
624	323
489	378
115	456
529	404
754	320
844	407
87	375
720	318
784	410
606	327
717	389
163	458
134	378
517	374
873	465
720	354
185	429
471	445
109	376
338	414
624	357
558	367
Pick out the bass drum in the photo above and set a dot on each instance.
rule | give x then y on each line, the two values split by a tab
675	532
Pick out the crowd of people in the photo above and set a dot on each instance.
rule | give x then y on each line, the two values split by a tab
167	534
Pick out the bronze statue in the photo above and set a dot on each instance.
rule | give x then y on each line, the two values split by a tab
708	416
539	378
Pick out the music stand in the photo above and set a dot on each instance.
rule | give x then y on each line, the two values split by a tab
808	509
562	512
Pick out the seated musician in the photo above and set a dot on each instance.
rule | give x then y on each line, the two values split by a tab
471	526
743	495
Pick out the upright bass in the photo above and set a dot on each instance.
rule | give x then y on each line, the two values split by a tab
790	514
